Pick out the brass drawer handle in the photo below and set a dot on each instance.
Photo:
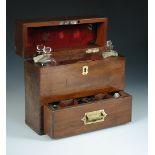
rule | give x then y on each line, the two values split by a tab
84	70
94	117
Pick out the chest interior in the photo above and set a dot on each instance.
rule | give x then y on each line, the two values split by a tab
69	39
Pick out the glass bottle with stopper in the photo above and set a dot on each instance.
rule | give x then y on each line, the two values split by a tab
40	49
109	46
44	55
109	51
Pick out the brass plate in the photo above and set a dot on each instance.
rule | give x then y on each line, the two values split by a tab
94	117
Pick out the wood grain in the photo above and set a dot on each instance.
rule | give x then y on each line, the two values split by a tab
67	121
106	75
64	81
52	83
33	109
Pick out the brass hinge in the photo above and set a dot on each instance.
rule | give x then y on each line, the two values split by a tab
69	22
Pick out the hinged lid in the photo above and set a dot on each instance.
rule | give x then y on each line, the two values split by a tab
60	34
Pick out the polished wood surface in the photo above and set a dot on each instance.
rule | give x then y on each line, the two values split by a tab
63	80
47	84
67	121
33	110
52	83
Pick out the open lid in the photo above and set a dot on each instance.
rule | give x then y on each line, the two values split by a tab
60	34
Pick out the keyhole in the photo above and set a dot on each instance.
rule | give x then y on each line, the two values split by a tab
85	70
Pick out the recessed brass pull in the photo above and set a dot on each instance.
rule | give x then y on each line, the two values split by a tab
94	117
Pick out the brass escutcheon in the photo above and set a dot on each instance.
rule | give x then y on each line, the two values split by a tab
94	117
84	70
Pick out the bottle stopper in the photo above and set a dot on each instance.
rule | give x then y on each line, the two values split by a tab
116	95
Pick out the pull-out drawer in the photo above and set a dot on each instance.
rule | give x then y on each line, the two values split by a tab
74	119
106	75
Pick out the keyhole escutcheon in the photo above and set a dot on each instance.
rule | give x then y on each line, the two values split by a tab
84	70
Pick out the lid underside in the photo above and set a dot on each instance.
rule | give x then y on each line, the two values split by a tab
83	34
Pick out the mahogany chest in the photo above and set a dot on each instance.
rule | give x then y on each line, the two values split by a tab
75	94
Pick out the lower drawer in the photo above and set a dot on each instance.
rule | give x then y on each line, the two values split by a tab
97	113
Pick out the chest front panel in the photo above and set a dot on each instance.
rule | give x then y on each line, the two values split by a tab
107	75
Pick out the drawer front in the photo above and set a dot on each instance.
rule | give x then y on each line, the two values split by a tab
87	117
107	74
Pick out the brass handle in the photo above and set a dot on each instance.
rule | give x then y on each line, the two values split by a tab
94	117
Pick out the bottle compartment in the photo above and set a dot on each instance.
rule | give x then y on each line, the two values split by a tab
84	100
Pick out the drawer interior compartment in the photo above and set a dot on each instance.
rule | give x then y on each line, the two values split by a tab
57	105
74	116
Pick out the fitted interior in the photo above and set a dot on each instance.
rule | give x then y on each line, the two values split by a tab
84	100
62	36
